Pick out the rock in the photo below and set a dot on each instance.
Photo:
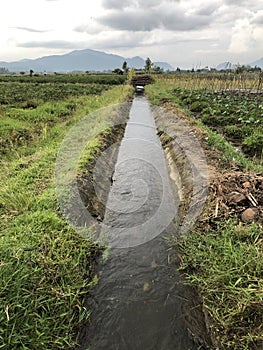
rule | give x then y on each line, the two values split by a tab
246	184
249	215
146	287
236	197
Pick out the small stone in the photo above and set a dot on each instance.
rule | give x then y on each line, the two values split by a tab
146	287
236	197
246	184
153	264
248	215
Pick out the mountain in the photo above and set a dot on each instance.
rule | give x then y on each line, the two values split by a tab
258	63
229	65
78	60
164	65
226	65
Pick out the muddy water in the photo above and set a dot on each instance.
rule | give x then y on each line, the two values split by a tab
140	302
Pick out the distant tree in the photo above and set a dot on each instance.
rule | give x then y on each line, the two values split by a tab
31	72
4	70
243	69
22	73
157	69
148	65
131	74
256	69
125	67
178	70
117	71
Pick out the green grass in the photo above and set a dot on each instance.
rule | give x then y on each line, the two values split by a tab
46	269
224	260
226	264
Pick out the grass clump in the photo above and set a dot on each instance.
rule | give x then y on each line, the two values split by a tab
226	264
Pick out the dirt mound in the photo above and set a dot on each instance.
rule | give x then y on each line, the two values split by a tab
238	194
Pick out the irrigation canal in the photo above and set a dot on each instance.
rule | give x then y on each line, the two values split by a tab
140	302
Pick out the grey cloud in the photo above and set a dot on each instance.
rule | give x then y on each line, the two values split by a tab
140	20
123	40
53	44
207	10
32	30
140	39
120	40
131	21
89	28
237	2
258	18
117	4
247	4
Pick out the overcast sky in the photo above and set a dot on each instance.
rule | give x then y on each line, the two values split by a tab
184	33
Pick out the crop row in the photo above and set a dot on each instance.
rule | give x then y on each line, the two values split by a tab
26	95
218	82
238	116
108	79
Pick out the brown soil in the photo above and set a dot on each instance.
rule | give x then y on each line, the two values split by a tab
85	180
237	194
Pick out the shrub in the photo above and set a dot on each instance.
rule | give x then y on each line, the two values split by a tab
253	144
198	106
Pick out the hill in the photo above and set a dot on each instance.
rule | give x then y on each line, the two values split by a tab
258	63
78	60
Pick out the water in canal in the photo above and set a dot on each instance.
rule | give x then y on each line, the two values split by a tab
140	302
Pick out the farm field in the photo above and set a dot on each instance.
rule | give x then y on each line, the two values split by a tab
223	253
46	269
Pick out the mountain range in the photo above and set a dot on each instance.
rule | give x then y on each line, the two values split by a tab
92	60
230	65
78	60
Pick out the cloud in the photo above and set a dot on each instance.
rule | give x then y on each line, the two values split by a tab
52	44
89	28
247	4
237	2
208	9
117	4
119	40
169	18
257	18
242	36
31	30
